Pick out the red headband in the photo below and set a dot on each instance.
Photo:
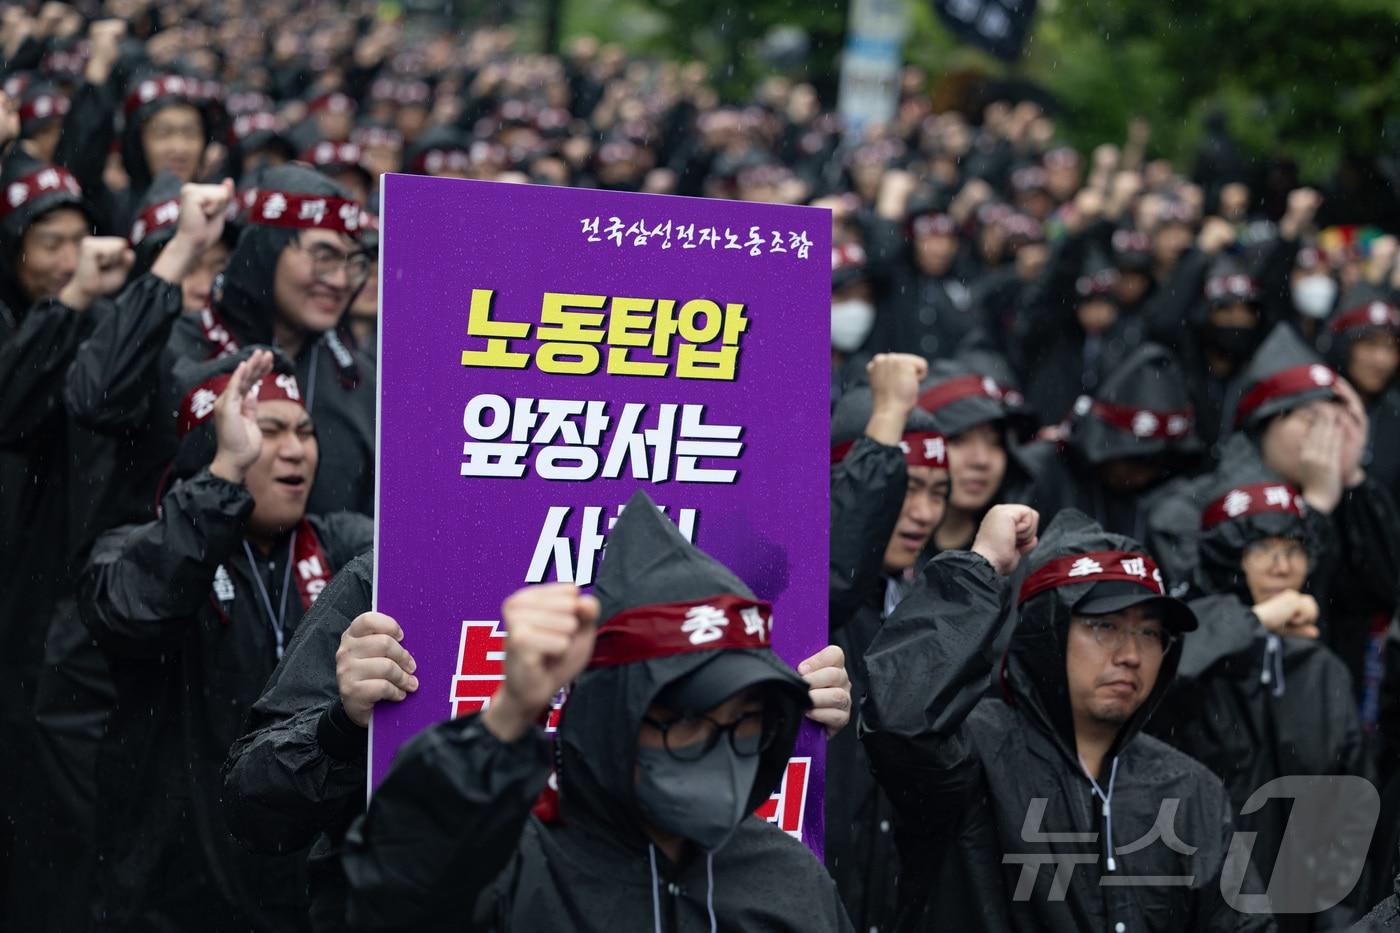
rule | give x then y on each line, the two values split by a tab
847	255
377	136
934	225
1291	381
921	448
328	153
198	406
43	107
1100	283
437	160
1140	422
665	629
250	123
1095	567
1374	314
1238	286
335	102
153	218
306	212
1255	499
49	178
246	102
970	386
166	86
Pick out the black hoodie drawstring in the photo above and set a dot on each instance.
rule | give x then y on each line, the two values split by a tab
709	888
1273	664
655	898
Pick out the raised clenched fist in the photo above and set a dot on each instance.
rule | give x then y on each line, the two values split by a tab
549	639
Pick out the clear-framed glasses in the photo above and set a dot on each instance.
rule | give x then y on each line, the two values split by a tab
326	261
1151	638
1267	551
692	738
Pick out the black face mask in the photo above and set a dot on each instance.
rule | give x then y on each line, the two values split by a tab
1236	344
703	801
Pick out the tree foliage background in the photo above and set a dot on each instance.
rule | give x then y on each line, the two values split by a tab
1315	80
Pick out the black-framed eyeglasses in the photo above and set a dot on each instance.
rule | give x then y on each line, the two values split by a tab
1151	638
326	261
692	738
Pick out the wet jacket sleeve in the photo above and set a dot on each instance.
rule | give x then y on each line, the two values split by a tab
867	493
299	769
1209	912
1050	302
886	246
1174	532
347	535
33	357
1367	527
1228	630
143	584
1168	312
1272	273
86	137
446	821
115	374
928	668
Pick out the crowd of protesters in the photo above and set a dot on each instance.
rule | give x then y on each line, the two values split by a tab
1115	464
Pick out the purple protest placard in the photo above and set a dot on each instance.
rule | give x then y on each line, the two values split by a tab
545	352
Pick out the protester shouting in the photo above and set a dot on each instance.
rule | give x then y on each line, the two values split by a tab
191	611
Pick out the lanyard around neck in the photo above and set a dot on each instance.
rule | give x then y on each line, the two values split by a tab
274	619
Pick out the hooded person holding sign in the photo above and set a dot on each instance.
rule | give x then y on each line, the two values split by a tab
297	776
680	723
192	611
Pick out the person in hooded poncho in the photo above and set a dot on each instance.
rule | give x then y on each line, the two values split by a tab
297	775
924	300
1308	427
168	122
69	501
852	316
1363	344
192	612
1257	695
889	488
1215	311
154	227
1120	446
670	738
296	267
1073	331
983	422
991	792
41	236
